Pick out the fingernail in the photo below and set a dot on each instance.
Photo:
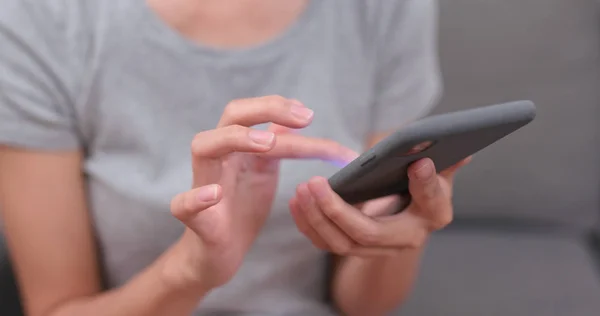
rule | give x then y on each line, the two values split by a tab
262	138
207	193
301	112
424	172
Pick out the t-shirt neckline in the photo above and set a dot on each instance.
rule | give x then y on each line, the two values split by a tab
264	50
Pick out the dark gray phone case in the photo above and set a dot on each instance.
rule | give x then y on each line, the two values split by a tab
446	139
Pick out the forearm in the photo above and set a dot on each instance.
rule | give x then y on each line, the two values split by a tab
373	286
152	292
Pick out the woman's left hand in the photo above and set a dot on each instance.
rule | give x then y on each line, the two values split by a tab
373	229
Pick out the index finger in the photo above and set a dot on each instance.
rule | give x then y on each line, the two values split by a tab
291	145
275	109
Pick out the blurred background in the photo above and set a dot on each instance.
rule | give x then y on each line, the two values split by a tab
527	243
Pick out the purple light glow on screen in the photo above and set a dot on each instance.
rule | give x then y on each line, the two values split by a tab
338	163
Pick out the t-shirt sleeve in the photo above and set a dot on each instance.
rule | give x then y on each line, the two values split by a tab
408	81
35	107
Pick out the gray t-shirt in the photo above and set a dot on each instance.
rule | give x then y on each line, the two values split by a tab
112	79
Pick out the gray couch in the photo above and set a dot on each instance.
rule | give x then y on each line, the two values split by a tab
522	242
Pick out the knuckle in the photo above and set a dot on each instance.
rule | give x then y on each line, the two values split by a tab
273	101
233	111
431	190
232	108
176	209
196	145
234	133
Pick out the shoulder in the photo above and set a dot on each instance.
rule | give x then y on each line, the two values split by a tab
382	26
59	22
59	37
49	16
401	38
45	32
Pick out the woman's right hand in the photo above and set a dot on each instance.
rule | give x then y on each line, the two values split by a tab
235	174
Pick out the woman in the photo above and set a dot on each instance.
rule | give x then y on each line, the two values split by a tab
102	100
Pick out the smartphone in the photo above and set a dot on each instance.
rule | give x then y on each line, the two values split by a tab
446	139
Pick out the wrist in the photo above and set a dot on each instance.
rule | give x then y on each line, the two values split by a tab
180	268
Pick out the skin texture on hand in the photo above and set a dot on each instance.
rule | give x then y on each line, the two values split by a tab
333	225
376	249
235	174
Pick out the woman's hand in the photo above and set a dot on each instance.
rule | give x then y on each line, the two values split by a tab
373	230
235	173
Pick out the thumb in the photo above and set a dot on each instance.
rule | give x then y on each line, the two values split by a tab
424	185
186	206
